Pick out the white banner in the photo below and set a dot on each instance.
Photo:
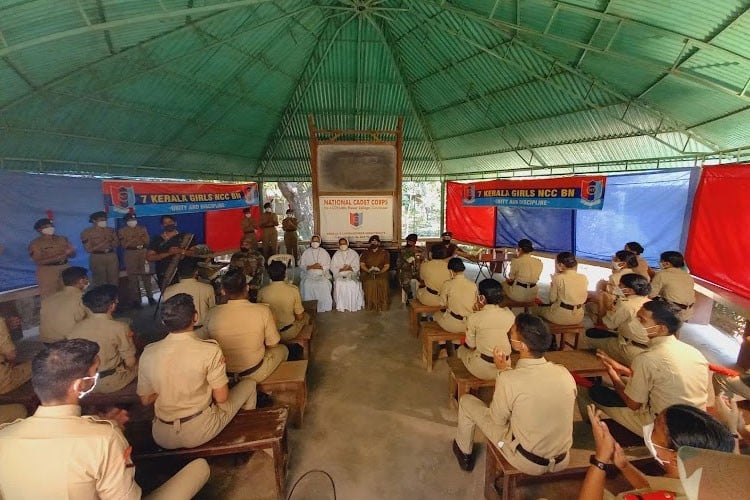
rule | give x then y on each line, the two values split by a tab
356	217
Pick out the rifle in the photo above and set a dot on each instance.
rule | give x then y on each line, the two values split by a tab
185	242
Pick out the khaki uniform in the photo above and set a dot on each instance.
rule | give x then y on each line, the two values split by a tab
642	267
458	295
249	225
115	346
568	287
184	370
48	275
614	279
134	241
434	273
9	413
291	240
669	372
524	271
204	297
408	264
269	234
243	330
57	453
676	286
532	406
486	330
101	244
630	333
59	314
285	302
11	376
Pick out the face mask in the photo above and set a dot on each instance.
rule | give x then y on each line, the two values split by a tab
132	223
49	231
268	210
95	378
662	265
648	430
411	243
101	223
290	215
170	227
373	244
247	216
315	244
343	248
615	266
446	240
244	250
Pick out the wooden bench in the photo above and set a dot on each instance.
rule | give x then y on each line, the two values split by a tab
22	395
583	363
303	339
248	431
563	330
288	386
461	381
431	333
416	308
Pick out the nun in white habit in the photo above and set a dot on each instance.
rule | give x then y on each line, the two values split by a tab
315	281
347	290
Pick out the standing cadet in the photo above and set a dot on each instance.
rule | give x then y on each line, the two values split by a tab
185	379
50	253
285	302
524	274
57	453
101	243
118	366
62	310
674	284
204	297
134	241
269	234
409	260
291	240
12	375
164	247
531	415
248	225
568	291
433	274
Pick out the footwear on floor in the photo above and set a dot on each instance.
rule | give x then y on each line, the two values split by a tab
466	462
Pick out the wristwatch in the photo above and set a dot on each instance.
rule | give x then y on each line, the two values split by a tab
596	463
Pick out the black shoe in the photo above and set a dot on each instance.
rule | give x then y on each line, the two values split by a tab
466	462
264	400
151	301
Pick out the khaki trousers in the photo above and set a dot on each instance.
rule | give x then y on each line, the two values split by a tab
185	484
270	242
634	420
559	315
616	349
273	357
105	269
291	242
427	298
12	377
296	327
135	267
49	280
475	364
450	324
519	293
116	381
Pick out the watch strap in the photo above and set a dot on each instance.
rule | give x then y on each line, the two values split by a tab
596	463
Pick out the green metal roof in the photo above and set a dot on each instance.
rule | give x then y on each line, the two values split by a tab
215	89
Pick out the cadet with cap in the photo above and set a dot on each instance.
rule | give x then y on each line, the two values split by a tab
524	274
62	310
269	234
291	240
101	243
248	225
134	241
409	260
50	253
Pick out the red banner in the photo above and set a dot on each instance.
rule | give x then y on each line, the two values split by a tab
470	224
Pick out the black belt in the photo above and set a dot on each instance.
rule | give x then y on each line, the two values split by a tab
531	457
99	252
457	316
285	328
180	420
433	292
569	307
637	344
487	358
58	263
524	285
107	373
250	370
681	306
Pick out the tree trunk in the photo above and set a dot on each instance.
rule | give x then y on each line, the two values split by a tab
299	197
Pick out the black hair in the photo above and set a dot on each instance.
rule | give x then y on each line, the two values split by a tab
72	275
639	284
492	291
234	282
57	365
634	247
567	259
526	245
276	271
267	205
456	265
534	333
187	267
165	217
437	252
674	258
178	312
664	313
100	298
689	426
374	237
246	210
628	257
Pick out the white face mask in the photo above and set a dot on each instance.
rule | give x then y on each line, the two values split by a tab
315	244
290	215
49	231
615	266
95	378
131	223
343	248
648	430
268	210
101	223
247	216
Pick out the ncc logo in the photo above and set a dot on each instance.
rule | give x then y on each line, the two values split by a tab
469	194
356	218
123	198
592	192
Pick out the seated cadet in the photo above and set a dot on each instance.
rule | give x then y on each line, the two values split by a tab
432	275
524	274
347	289
185	378
62	310
674	284
568	291
285	302
624	338
453	250
315	276
116	348
486	330
246	332
203	294
642	268
252	262
12	375
623	262
458	295
57	453
530	418
668	372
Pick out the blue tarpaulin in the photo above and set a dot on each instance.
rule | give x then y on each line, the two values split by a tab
550	230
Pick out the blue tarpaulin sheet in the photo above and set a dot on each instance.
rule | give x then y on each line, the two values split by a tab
550	230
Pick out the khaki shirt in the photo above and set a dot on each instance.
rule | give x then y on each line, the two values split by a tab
284	300
114	338
434	273
59	314
46	247
243	330
249	224
268	221
57	453
614	278
642	267
99	239
569	287
674	285
289	224
669	372
203	295
623	319
535	401
459	295
525	269
488	328
133	237
183	370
